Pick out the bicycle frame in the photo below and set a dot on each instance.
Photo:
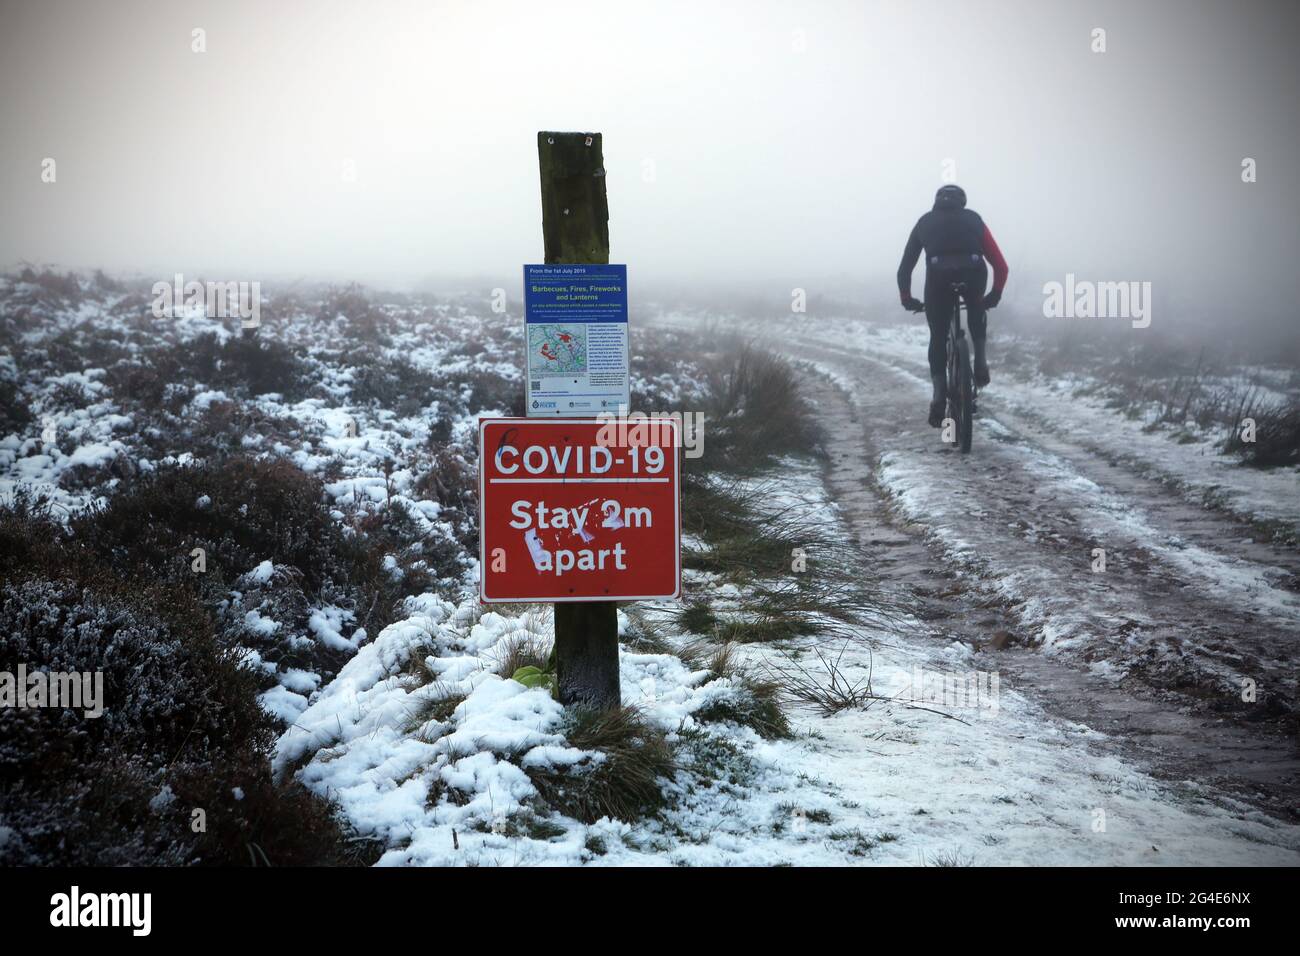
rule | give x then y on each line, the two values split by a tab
955	331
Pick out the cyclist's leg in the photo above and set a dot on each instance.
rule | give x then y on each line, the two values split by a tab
938	312
977	322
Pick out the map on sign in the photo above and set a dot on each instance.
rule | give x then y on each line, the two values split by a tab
558	349
575	320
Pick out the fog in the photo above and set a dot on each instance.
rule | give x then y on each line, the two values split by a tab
753	145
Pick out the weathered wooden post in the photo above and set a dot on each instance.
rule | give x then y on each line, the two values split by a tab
575	229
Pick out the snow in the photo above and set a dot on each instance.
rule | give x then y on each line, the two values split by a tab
300	681
92	455
327	624
1076	403
162	799
204	399
260	574
891	784
425	747
257	624
283	702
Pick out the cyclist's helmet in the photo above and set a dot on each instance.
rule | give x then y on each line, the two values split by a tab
950	196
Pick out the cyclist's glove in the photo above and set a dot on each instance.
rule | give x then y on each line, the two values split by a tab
993	298
913	305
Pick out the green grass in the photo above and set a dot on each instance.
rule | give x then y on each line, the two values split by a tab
439	707
628	784
755	703
697	618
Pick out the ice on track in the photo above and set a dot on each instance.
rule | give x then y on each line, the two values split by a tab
1266	494
1062	609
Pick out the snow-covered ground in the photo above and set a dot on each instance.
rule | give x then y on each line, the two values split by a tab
1075	404
899	782
428	749
1057	476
370	398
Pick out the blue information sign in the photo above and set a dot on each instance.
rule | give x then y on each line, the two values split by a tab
575	331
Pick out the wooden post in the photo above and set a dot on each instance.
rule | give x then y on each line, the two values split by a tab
575	228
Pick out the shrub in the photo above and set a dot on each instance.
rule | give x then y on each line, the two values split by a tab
755	412
520	651
486	389
365	320
379	586
149	379
15	415
51	287
241	511
391	383
181	729
1277	436
253	364
756	701
627	784
451	481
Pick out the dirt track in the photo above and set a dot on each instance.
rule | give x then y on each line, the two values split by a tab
997	547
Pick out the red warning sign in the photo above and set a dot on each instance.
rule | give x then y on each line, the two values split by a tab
578	510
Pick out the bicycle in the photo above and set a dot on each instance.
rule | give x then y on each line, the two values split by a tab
960	377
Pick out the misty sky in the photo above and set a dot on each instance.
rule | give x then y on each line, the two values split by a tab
795	140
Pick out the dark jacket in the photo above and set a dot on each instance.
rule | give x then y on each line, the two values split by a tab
950	234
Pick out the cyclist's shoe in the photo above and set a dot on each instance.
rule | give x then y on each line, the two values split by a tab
936	414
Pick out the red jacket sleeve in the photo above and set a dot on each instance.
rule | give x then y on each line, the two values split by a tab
994	255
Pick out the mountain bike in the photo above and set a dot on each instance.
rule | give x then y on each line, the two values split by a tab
960	378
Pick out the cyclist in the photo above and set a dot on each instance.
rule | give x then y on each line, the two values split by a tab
956	243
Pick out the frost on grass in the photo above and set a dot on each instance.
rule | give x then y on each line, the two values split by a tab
426	747
180	730
326	467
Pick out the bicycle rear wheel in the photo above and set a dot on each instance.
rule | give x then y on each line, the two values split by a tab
961	395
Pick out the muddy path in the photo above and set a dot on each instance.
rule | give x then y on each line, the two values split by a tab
996	549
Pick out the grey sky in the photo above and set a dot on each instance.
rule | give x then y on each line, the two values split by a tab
743	140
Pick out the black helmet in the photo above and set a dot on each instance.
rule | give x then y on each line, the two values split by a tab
950	196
